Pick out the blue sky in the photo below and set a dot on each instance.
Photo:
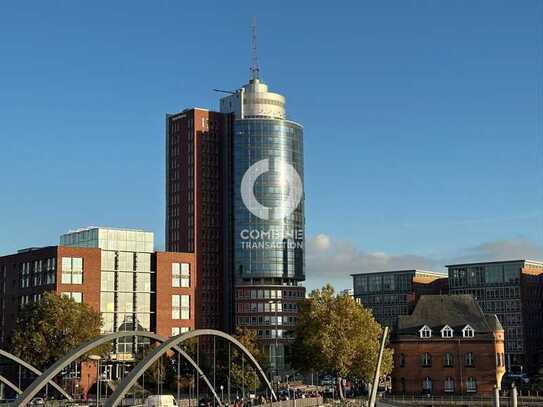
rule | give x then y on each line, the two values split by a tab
423	119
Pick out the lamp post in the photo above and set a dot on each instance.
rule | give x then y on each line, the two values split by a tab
97	358
222	393
275	302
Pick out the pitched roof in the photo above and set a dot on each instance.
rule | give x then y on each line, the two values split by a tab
457	311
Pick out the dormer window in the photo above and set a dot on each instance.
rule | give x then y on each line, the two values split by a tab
468	332
447	332
425	332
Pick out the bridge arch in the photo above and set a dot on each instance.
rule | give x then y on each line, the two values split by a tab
8	383
130	379
86	347
38	372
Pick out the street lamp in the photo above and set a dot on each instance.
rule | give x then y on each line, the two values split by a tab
276	336
97	358
222	394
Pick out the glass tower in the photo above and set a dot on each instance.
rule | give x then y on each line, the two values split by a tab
267	214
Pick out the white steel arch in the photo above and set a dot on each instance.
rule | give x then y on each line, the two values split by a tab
86	347
131	379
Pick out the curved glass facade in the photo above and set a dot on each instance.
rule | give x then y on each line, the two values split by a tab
269	243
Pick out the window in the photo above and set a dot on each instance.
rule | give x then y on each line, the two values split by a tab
469	359
176	330
448	359
181	275
427	385
402	360
449	385
180	307
426	359
471	385
447	332
425	332
468	332
72	270
77	297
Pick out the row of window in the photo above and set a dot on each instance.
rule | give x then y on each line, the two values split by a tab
479	275
267	320
37	273
260	307
269	293
448	385
448	359
271	333
447	332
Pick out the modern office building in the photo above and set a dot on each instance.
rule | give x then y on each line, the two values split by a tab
390	294
267	212
235	199
447	346
514	291
116	272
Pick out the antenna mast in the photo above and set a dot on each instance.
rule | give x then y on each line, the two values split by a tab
255	70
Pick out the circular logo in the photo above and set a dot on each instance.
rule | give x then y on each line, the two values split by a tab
287	176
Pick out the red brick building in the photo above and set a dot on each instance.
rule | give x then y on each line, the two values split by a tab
196	197
115	271
447	346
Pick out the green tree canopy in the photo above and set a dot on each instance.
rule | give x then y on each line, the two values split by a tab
335	334
243	374
48	329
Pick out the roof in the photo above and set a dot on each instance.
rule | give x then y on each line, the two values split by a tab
496	262
432	273
457	311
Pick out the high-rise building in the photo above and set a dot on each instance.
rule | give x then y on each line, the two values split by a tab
390	294
234	193
267	213
514	291
196	201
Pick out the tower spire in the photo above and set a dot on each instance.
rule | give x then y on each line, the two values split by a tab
255	70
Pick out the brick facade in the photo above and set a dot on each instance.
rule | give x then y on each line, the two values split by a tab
447	346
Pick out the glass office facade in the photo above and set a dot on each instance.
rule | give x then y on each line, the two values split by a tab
497	288
268	251
268	247
391	294
126	279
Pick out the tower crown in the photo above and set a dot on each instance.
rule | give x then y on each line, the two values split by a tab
253	101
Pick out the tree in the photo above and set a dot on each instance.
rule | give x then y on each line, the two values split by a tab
162	372
335	334
243	375
538	380
48	329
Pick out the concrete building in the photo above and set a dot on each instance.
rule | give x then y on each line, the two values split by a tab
390	294
116	272
235	199
514	291
447	346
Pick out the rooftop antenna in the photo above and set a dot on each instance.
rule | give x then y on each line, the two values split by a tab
255	70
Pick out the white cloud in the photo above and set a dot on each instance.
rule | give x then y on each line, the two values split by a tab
330	260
